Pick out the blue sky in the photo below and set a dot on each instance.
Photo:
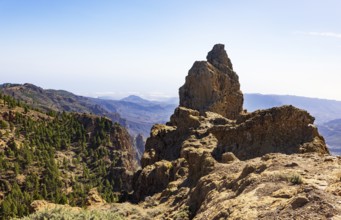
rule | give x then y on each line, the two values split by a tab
147	47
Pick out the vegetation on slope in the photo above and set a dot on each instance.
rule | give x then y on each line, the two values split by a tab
69	214
58	157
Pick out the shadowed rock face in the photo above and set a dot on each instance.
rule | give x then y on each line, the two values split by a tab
209	129
212	85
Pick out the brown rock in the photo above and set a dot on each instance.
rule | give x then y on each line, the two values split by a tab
218	57
162	144
155	178
299	202
228	157
213	86
185	119
283	129
285	193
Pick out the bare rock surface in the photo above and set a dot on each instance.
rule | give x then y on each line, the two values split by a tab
260	188
212	85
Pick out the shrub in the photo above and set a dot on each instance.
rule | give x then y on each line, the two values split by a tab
295	179
3	124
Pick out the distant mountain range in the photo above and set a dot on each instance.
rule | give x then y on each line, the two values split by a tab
138	115
57	100
133	112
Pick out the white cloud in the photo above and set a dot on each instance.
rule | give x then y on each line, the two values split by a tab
321	34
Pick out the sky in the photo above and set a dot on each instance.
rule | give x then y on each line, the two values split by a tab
117	48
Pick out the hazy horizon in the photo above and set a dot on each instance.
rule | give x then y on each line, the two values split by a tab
159	96
146	48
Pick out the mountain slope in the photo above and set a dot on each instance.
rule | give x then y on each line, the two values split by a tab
59	157
56	100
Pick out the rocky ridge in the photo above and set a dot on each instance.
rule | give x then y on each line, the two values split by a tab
212	152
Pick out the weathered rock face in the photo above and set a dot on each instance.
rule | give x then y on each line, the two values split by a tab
210	151
212	85
283	129
155	178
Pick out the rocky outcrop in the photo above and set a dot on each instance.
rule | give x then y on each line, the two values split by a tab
155	178
212	85
283	129
220	146
268	188
206	140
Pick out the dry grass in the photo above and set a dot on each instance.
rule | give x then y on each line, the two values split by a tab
70	214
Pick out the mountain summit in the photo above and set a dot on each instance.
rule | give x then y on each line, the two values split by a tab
218	57
212	85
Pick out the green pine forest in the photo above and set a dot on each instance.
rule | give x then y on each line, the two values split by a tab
55	156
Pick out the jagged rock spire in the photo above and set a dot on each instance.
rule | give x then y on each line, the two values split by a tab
212	85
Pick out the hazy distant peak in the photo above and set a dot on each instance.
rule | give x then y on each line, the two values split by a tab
135	99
